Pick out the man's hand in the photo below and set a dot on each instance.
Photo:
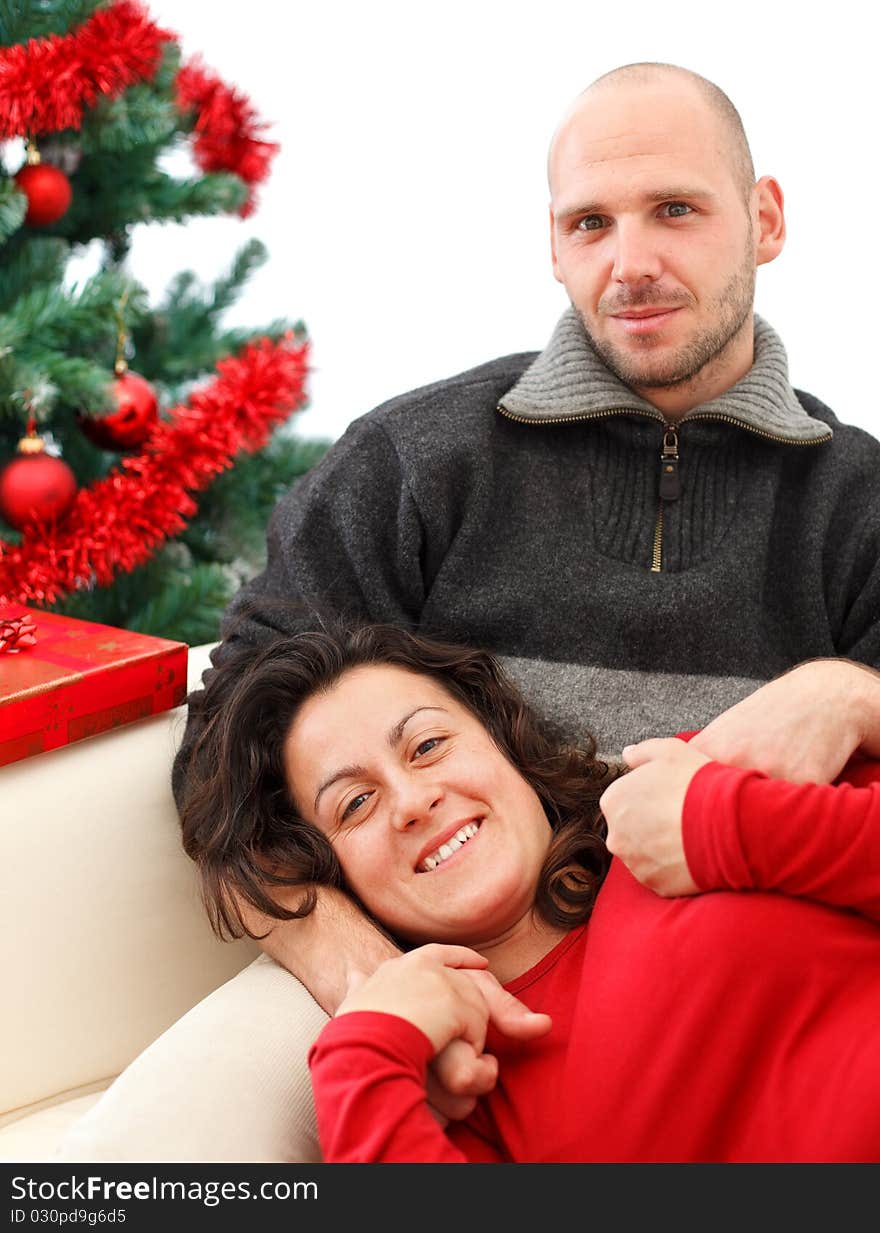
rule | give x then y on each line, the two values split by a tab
804	726
643	810
446	992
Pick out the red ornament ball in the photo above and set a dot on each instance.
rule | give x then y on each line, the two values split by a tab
48	192
132	423
36	488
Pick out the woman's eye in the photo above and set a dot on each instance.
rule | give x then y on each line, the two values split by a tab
426	746
354	804
677	209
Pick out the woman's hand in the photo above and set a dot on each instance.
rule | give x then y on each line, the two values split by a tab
430	988
448	993
644	810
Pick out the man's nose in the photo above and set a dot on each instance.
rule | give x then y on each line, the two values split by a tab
635	253
415	800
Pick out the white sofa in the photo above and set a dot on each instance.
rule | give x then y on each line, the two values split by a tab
105	946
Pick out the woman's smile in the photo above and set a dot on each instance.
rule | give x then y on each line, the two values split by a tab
449	847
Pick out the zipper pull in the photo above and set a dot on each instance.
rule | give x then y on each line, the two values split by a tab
670	482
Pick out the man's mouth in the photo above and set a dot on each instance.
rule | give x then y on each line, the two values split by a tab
449	847
643	320
651	311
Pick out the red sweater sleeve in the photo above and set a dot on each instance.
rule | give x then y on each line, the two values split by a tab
368	1076
742	830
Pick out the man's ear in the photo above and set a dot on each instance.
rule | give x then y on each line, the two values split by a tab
771	220
553	256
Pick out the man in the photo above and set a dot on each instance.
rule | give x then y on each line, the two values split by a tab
645	520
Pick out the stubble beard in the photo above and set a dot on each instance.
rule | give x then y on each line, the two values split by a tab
729	313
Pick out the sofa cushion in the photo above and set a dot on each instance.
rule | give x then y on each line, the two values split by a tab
36	1136
227	1082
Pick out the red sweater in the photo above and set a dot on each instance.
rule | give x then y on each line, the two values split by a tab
722	1027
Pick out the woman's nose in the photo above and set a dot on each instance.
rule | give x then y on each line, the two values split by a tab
416	799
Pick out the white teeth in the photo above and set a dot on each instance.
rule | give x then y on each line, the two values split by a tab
461	836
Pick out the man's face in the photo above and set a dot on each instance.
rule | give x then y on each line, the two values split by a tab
652	237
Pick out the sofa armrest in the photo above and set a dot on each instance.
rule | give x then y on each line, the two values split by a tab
105	942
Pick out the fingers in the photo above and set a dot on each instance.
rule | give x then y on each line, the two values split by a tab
452	956
508	1014
462	1074
458	964
649	751
446	1107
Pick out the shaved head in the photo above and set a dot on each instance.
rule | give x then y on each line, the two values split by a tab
647	77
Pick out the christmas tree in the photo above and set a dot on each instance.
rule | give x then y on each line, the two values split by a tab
117	416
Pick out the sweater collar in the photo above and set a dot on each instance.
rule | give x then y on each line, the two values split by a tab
568	380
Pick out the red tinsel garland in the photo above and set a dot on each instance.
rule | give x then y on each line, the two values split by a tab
227	128
119	522
46	84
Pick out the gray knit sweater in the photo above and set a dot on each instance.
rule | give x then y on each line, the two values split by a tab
517	506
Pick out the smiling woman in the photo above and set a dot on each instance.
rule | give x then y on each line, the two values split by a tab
438	834
711	1027
338	756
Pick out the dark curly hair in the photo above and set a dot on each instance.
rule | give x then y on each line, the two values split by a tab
239	822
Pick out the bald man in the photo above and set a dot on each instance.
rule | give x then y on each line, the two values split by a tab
644	520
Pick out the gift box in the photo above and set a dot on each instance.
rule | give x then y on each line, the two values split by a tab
70	679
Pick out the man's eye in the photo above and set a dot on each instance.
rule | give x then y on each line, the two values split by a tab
426	746
354	804
677	209
593	222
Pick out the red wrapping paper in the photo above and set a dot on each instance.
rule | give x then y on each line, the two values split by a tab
80	678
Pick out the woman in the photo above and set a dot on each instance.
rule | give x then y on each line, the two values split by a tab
732	1026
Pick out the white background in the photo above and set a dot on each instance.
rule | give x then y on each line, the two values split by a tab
406	215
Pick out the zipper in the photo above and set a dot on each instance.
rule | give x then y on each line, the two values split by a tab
757	432
670	483
657	557
583	415
669	488
708	419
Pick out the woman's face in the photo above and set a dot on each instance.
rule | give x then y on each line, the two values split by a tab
440	837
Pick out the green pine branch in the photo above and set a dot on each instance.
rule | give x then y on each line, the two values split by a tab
171	596
21	20
13	207
112	195
189	606
66	340
136	118
227	288
28	260
143	115
182	339
231	526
